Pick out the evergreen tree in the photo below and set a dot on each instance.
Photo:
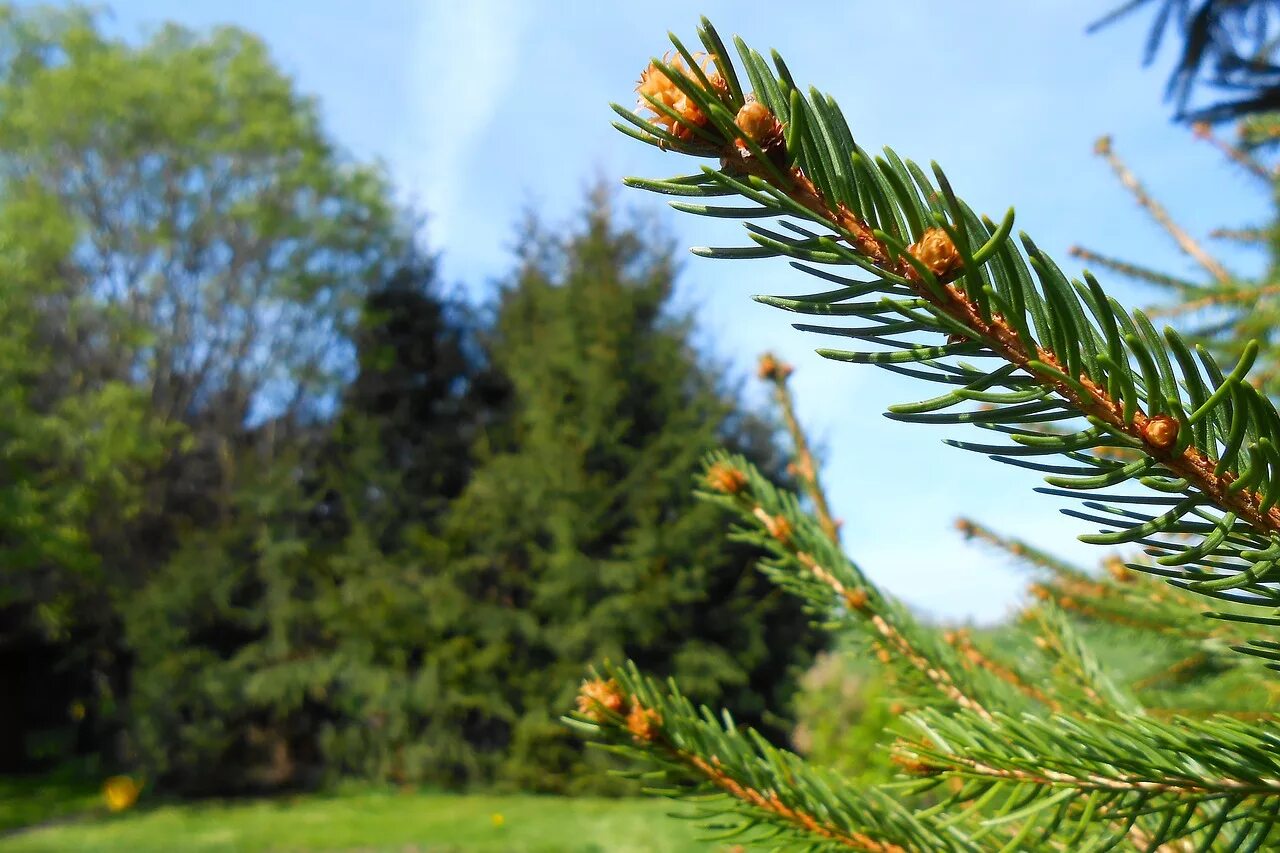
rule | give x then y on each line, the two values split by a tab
577	539
289	644
1163	447
423	383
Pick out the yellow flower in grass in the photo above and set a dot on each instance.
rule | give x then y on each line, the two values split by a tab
121	792
498	820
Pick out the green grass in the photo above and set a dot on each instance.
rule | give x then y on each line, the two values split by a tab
28	800
375	821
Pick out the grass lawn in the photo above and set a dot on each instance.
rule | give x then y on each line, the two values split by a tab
367	821
24	801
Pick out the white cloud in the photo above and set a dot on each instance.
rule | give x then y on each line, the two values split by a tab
465	61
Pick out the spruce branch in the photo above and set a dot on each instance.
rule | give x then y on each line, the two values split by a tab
689	754
1070	353
1247	236
1225	296
1084	673
975	658
808	563
1134	271
1077	378
1188	244
1203	130
1259	131
777	373
1118	595
1021	551
1206	774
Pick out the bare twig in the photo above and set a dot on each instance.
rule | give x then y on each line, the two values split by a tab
1184	240
806	469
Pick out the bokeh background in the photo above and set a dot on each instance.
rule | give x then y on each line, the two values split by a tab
307	623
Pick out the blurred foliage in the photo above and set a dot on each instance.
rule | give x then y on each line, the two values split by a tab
277	506
578	538
1228	47
843	712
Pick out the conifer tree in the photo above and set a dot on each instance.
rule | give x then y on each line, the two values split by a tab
1148	438
577	538
289	644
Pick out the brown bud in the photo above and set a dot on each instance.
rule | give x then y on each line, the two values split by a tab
642	722
1102	146
1116	568
770	369
725	478
1037	591
779	528
1201	129
654	83
758	123
957	338
1161	432
937	253
856	599
598	698
965	526
755	120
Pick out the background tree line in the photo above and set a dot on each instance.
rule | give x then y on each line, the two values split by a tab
276	505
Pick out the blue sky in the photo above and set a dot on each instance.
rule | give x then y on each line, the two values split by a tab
485	108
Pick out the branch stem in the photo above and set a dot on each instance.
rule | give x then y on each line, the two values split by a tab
1084	395
1185	241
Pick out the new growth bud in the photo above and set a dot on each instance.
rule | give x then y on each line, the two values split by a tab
1117	569
598	698
726	479
643	722
937	253
778	527
758	123
770	369
655	84
1161	432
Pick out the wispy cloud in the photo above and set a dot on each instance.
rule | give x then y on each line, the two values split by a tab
463	65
